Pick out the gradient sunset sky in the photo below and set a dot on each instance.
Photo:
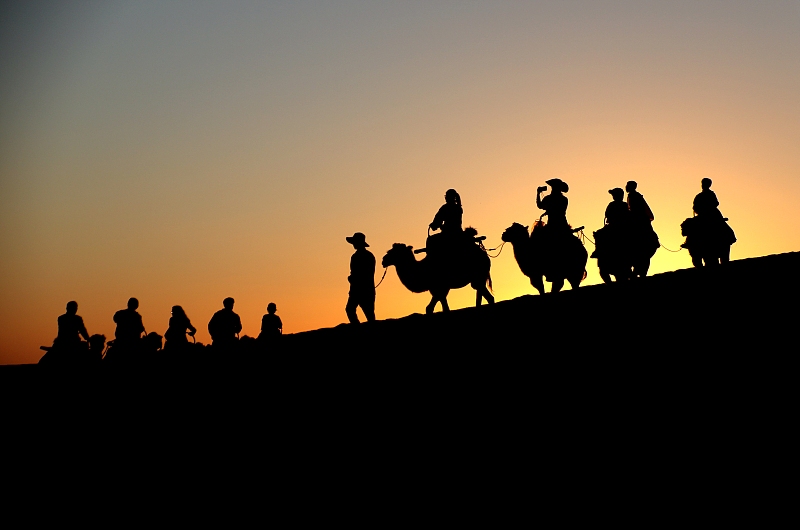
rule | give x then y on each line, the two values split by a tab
185	151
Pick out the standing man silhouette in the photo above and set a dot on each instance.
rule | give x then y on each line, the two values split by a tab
224	325
362	280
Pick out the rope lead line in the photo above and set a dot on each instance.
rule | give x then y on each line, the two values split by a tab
385	270
668	250
500	247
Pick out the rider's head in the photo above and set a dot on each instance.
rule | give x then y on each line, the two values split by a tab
178	311
72	307
271	308
558	185
705	183
133	303
630	186
452	196
617	193
228	303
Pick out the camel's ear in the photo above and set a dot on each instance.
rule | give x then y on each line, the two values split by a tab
526	228
410	247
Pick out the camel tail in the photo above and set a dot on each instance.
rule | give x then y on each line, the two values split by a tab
585	274
489	282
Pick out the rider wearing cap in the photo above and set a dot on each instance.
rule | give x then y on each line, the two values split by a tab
362	280
705	203
617	213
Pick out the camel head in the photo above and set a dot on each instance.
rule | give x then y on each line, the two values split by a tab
688	227
397	254
515	233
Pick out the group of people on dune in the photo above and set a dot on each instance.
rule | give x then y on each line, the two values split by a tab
455	257
131	340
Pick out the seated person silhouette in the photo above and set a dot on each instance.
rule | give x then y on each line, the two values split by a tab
70	328
448	220
225	325
362	280
271	325
179	325
129	326
555	207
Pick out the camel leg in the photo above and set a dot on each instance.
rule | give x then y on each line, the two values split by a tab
538	284
697	261
480	294
641	268
445	306
605	276
432	305
557	285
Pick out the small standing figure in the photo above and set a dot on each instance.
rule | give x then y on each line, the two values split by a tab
225	325
271	325
362	280
179	325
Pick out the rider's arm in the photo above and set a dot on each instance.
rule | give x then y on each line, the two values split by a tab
192	329
539	202
82	330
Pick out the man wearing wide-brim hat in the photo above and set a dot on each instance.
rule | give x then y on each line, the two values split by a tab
362	280
555	204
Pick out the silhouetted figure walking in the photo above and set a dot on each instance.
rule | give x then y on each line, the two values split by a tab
644	239
362	280
271	325
179	326
612	241
224	326
708	235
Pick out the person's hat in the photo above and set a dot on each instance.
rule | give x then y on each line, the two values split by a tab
558	184
357	239
616	191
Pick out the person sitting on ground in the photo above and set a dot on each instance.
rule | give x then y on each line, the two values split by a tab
271	325
129	325
179	324
362	280
70	328
225	325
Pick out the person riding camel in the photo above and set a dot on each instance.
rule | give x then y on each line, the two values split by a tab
710	219
617	212
448	220
554	206
645	239
705	203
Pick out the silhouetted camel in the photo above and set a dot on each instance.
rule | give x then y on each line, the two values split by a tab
425	275
707	241
571	265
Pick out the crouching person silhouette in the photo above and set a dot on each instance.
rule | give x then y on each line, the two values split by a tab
362	280
224	326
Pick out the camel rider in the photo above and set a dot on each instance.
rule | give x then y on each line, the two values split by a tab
617	212
705	206
705	203
448	220
641	217
554	205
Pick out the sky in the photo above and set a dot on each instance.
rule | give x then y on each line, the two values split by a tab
182	152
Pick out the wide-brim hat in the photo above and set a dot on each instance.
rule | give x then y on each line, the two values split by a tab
558	184
357	239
